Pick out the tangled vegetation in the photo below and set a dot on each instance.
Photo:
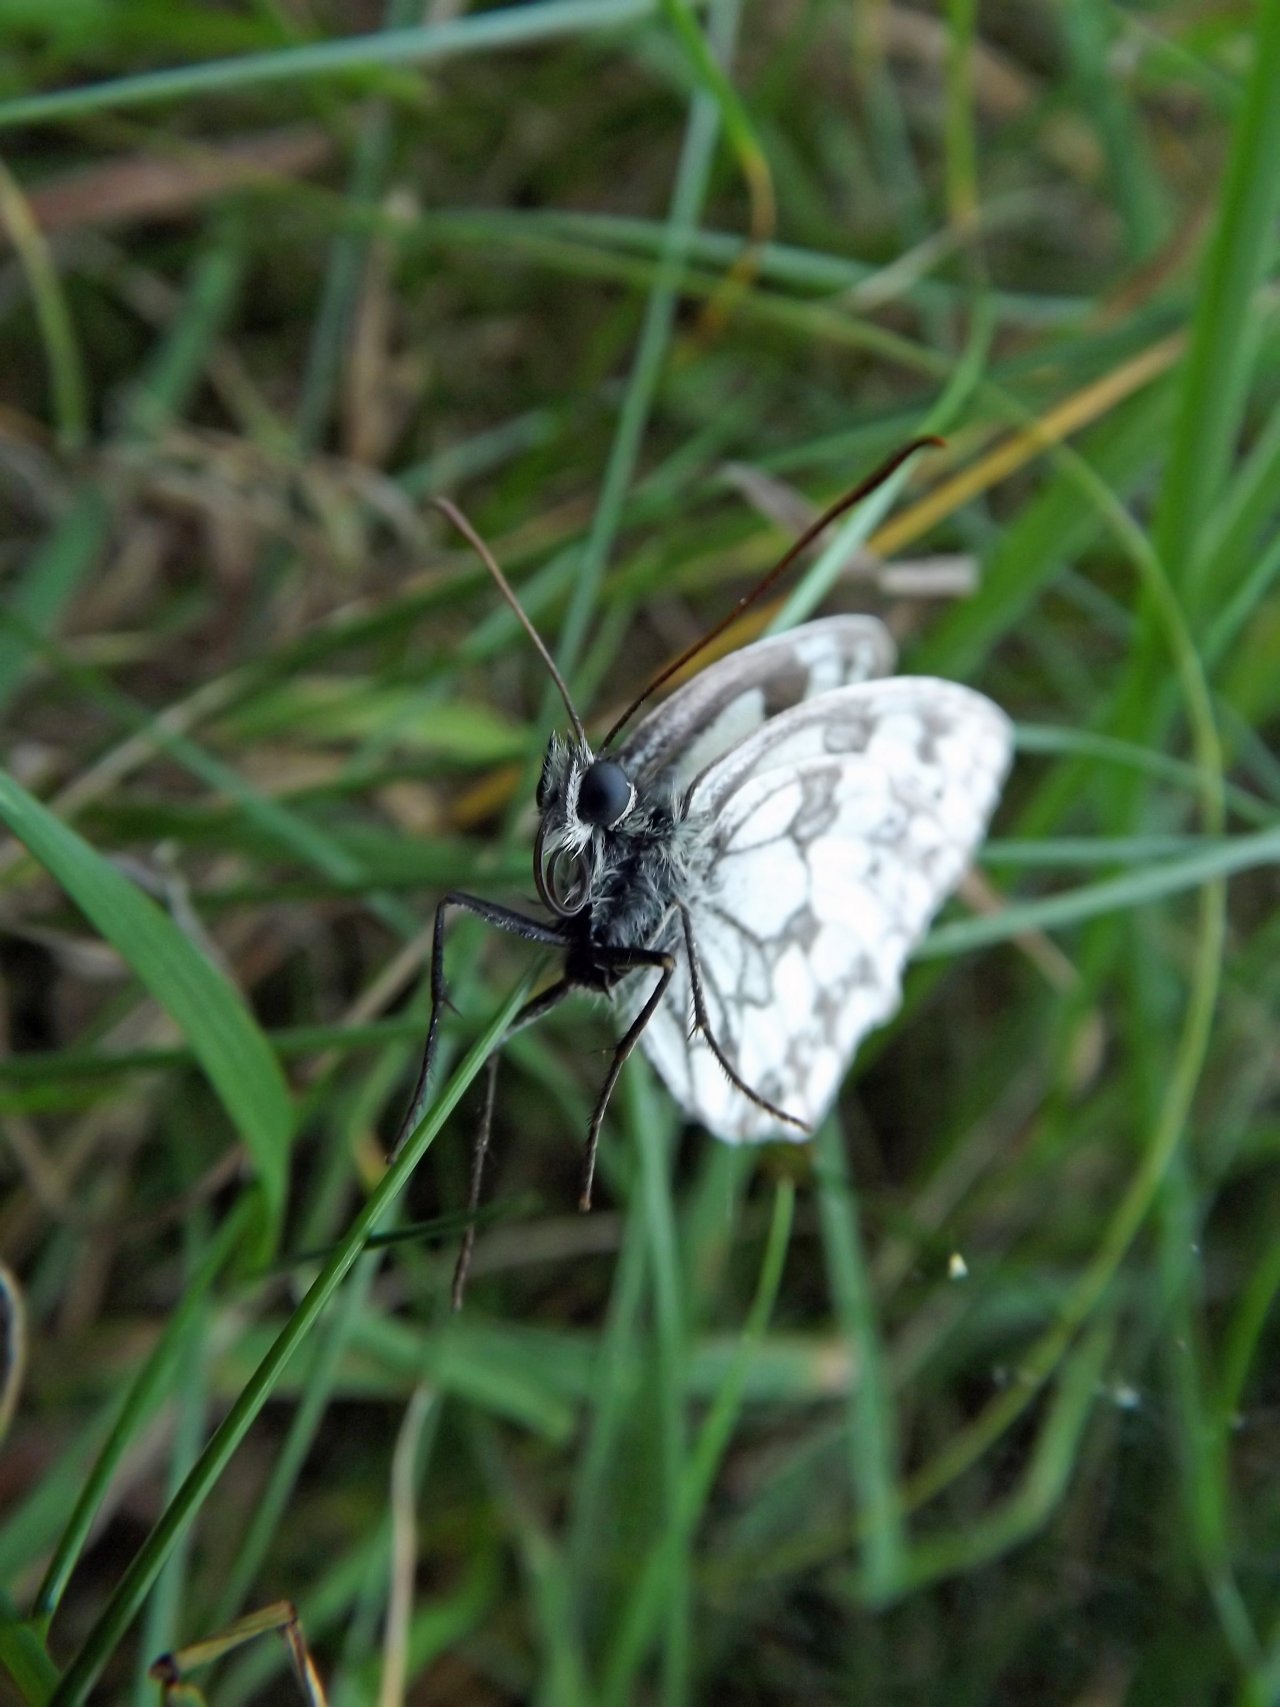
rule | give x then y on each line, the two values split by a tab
973	1400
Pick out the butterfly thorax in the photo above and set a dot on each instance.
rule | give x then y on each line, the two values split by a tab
615	884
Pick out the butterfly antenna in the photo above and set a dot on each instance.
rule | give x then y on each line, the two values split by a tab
464	527
806	539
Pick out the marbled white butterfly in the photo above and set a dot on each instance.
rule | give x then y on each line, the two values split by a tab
746	874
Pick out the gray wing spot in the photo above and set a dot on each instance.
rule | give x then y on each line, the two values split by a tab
786	687
803	927
816	813
773	1088
849	736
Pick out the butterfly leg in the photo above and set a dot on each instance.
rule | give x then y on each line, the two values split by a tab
531	1011
623	960
503	919
702	1024
477	1174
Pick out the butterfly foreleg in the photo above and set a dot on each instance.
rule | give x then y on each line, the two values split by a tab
503	919
623	960
477	1174
702	1027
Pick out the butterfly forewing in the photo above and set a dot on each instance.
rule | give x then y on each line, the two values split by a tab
835	833
732	699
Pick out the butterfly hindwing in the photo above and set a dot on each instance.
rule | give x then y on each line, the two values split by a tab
837	830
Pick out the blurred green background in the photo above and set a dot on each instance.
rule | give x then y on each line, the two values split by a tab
975	1401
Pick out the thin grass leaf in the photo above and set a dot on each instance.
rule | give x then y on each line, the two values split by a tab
1091	30
1223	336
873	1449
59	566
211	1015
1115	894
551	1587
670	1351
54	572
123	1606
692	176
57	330
24	1658
1043	1485
644	1607
149	1387
317	1393
734	118
514	26
1148	761
1203	1472
162	1621
959	136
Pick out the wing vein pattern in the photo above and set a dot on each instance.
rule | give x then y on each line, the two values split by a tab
832	808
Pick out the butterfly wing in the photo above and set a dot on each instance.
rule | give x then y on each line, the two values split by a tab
734	697
834	835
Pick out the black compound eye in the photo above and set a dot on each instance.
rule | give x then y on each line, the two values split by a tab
604	794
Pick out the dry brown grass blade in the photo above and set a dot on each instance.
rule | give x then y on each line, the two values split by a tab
145	186
1022	446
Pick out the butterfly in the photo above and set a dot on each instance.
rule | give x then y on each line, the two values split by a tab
745	875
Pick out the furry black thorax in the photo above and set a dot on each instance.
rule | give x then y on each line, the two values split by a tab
619	887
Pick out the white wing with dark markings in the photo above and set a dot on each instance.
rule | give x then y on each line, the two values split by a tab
731	699
834	833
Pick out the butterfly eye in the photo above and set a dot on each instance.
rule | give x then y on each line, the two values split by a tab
605	794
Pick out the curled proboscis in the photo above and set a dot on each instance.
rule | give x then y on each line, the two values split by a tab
563	878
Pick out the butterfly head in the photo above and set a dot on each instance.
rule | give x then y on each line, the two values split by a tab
581	798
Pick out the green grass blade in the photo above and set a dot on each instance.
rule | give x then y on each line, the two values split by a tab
23	1656
644	1609
161	1629
871	1425
123	1606
317	1395
692	175
1043	1485
1223	341
669	1381
148	1388
505	27
734	119
210	1013
55	571
1114	894
61	563
53	317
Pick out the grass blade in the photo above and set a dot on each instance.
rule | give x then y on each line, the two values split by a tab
871	1425
481	32
1224	338
123	1606
210	1013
